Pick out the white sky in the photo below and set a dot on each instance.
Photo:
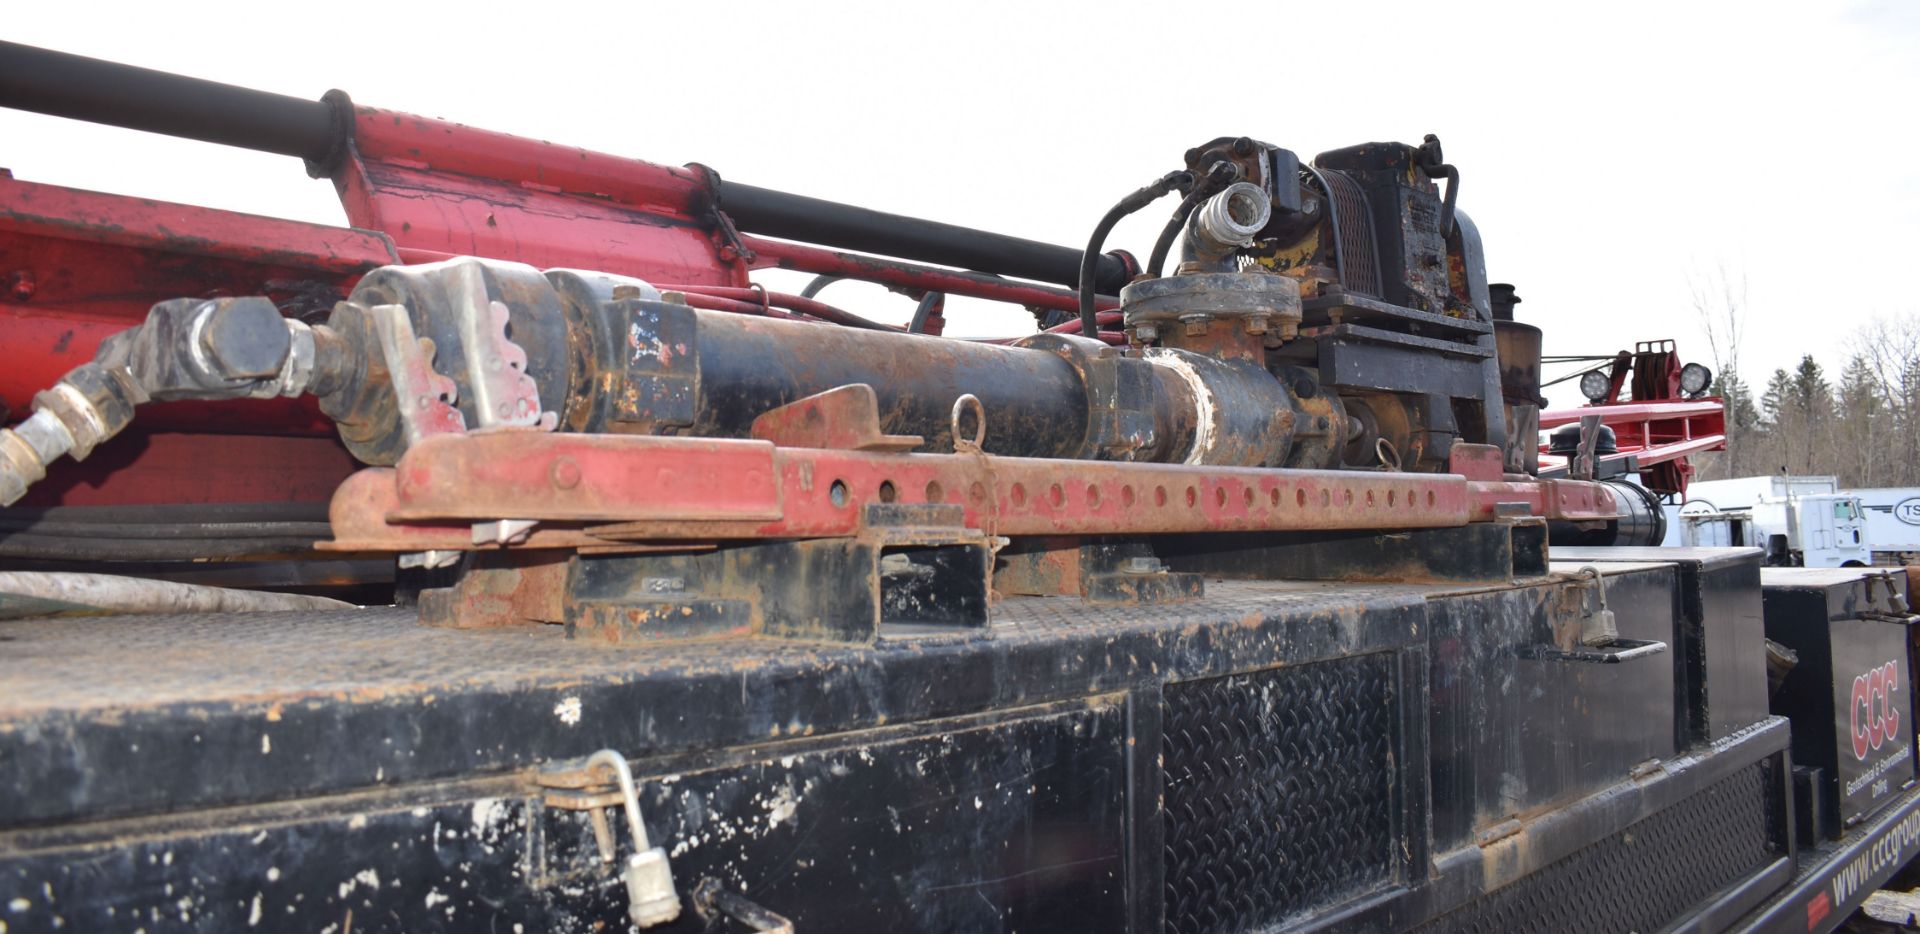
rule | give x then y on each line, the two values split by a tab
1608	151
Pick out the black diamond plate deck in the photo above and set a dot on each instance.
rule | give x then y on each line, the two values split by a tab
1644	877
1279	792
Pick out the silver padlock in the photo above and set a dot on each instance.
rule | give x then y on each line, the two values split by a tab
1599	628
650	896
651	899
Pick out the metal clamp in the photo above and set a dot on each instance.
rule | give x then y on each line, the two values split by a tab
504	396
1119	396
712	901
425	398
651	898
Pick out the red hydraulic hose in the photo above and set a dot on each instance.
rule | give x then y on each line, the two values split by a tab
717	303
794	303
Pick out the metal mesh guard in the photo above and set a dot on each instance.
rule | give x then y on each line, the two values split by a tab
1645	876
1278	789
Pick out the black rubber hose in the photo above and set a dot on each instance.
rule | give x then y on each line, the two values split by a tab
924	310
80	88
1090	257
170	513
844	226
1222	174
165	530
819	282
147	549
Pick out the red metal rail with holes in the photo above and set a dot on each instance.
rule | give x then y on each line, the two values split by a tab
602	489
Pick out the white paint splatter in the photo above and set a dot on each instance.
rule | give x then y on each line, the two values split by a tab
253	917
434	898
488	813
568	710
273	873
781	809
19	905
266	744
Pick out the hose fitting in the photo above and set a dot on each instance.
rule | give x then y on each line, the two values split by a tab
89	405
227	348
1223	225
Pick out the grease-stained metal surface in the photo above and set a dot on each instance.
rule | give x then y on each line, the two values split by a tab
1010	822
266	694
1009	778
1511	730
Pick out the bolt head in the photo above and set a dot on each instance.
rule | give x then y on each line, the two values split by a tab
246	338
21	285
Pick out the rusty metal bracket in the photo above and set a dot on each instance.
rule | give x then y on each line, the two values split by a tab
1113	572
910	568
844	418
1583	465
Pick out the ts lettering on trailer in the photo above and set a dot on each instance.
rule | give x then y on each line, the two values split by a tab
1908	510
1874	718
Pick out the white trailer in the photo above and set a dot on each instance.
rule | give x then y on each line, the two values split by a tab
1742	492
1893	523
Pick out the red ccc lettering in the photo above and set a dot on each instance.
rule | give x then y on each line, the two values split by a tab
1875	717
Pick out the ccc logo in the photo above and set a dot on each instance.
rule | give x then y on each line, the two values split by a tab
1876	718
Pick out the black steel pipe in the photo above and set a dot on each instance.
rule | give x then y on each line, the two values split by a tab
1035	400
829	223
74	86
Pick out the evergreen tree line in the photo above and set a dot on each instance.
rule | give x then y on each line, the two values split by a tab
1863	426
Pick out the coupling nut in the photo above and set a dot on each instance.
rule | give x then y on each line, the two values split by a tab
89	405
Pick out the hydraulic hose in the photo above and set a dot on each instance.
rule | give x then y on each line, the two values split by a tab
65	593
1222	174
1090	257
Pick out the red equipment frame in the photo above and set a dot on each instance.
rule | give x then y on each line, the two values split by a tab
81	266
85	265
1656	425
